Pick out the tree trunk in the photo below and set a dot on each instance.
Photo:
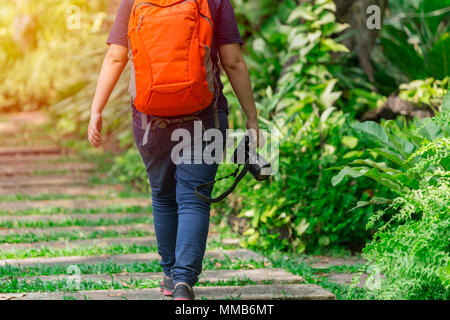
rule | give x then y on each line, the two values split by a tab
354	12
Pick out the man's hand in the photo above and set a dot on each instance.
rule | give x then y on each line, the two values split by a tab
253	128
95	129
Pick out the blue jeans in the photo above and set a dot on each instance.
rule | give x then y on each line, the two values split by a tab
181	220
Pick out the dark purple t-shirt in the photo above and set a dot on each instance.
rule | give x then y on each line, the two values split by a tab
225	32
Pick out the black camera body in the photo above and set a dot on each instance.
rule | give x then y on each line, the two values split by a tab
246	154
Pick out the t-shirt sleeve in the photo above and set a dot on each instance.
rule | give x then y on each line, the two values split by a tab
227	30
119	31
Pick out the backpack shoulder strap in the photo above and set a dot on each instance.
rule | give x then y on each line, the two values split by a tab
216	97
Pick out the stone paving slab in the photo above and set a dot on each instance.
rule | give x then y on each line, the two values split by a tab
256	292
79	230
8	151
219	254
26	141
74	204
97	217
14	121
30	169
230	242
258	276
38	181
75	191
325	262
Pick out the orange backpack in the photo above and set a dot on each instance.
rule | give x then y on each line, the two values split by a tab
170	42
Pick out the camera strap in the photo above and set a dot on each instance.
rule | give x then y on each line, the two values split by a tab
236	174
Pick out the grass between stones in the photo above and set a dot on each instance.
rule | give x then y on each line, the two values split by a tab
345	269
226	263
71	236
57	172
69	222
85	250
43	197
67	285
56	210
90	250
298	265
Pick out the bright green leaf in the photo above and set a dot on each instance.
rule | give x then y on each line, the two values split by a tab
350	142
302	12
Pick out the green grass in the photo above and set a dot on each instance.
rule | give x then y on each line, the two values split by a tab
65	159
58	210
343	292
124	194
298	265
99	268
43	197
344	269
70	222
54	172
87	250
113	267
22	285
70	236
65	285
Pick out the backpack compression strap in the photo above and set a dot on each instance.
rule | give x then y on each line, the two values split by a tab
238	178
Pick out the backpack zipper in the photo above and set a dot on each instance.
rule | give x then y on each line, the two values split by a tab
140	22
155	5
145	3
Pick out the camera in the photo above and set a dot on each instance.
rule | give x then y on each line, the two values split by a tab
246	154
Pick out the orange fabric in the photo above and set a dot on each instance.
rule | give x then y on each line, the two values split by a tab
170	41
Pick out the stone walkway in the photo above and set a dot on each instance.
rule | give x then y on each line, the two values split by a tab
61	237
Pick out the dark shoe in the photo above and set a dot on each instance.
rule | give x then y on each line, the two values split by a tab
167	286
183	291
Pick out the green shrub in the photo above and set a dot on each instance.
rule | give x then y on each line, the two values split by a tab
411	248
297	210
416	40
425	93
128	168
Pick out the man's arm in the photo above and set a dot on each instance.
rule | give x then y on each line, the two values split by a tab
236	68
115	61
